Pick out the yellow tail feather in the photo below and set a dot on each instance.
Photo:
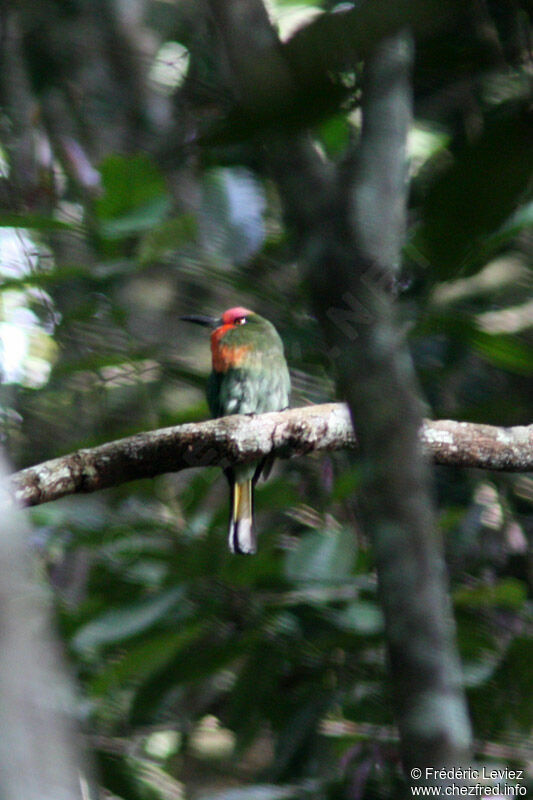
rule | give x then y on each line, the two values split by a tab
241	529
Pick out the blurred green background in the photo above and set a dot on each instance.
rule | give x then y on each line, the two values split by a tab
202	674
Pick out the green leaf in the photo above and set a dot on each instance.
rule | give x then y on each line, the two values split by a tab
135	196
138	220
165	237
504	350
129	182
327	557
35	222
53	277
202	658
140	661
478	673
334	134
120	624
362	617
505	703
508	593
300	728
347	483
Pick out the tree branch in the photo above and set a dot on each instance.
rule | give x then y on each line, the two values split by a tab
239	438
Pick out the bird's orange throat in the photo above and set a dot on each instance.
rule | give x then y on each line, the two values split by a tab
226	356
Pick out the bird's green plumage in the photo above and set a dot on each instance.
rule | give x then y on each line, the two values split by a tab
261	382
250	376
257	381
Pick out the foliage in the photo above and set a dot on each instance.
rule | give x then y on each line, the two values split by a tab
266	678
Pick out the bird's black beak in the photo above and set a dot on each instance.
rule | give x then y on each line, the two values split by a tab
199	319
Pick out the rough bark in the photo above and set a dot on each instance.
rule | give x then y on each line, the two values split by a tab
239	438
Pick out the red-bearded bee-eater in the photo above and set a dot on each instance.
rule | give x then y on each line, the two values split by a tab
249	376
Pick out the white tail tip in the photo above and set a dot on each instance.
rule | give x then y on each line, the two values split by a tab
242	536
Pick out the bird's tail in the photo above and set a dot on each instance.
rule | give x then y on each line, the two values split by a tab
241	524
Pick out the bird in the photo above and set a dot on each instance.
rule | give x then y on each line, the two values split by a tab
249	376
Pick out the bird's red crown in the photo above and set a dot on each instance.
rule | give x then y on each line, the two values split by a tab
233	316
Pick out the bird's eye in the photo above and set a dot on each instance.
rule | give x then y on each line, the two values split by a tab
240	320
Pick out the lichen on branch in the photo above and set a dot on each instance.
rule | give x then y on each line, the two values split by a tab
246	438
